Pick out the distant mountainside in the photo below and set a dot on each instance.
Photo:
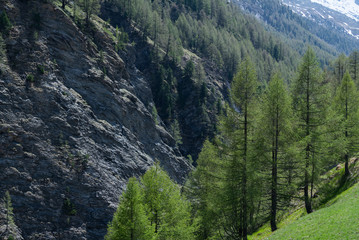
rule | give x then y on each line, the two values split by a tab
310	21
341	16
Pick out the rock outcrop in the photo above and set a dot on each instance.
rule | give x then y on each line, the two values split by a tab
74	125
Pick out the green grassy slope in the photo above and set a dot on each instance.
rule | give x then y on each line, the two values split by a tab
340	220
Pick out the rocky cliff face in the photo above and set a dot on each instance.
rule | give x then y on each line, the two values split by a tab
74	125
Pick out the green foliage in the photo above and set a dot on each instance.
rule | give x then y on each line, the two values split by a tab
244	86
2	50
354	66
310	104
153	210
176	132
154	114
5	24
121	39
30	78
68	207
9	211
169	212
347	105
131	219
204	189
90	7
41	69
274	137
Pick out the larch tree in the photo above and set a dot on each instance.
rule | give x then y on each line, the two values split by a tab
90	7
354	66
276	134
9	213
130	222
340	67
169	212
243	94
347	105
204	190
309	102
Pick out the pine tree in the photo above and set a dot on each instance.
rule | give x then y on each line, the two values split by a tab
90	7
340	67
2	50
169	211
9	212
204	190
347	105
130	222
309	101
243	92
354	66
275	132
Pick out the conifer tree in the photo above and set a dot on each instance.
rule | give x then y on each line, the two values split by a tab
90	7
130	220
275	132
204	190
347	105
309	101
169	211
354	66
243	92
340	67
9	212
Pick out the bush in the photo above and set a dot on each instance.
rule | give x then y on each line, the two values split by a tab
69	208
2	50
40	69
5	24
30	78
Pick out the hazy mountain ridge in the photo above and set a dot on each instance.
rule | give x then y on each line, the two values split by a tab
341	16
298	25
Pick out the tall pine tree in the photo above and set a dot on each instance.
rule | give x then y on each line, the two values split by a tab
243	94
309	101
275	130
347	105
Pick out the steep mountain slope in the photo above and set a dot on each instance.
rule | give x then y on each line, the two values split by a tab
72	133
340	16
303	22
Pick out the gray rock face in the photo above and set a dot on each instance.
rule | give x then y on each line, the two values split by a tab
71	137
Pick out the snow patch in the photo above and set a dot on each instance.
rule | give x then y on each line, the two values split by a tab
347	7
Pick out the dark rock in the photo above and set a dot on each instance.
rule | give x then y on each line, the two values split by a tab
74	133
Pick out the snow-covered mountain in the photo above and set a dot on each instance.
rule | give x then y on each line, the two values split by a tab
340	15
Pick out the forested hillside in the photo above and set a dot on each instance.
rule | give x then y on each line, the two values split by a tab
219	121
169	36
300	31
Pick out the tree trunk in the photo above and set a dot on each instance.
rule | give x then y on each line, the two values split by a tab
347	173
244	181
307	201
275	173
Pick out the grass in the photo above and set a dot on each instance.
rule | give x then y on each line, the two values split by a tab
339	220
265	231
332	187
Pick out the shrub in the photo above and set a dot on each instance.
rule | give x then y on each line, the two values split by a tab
30	78
69	208
40	69
5	24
